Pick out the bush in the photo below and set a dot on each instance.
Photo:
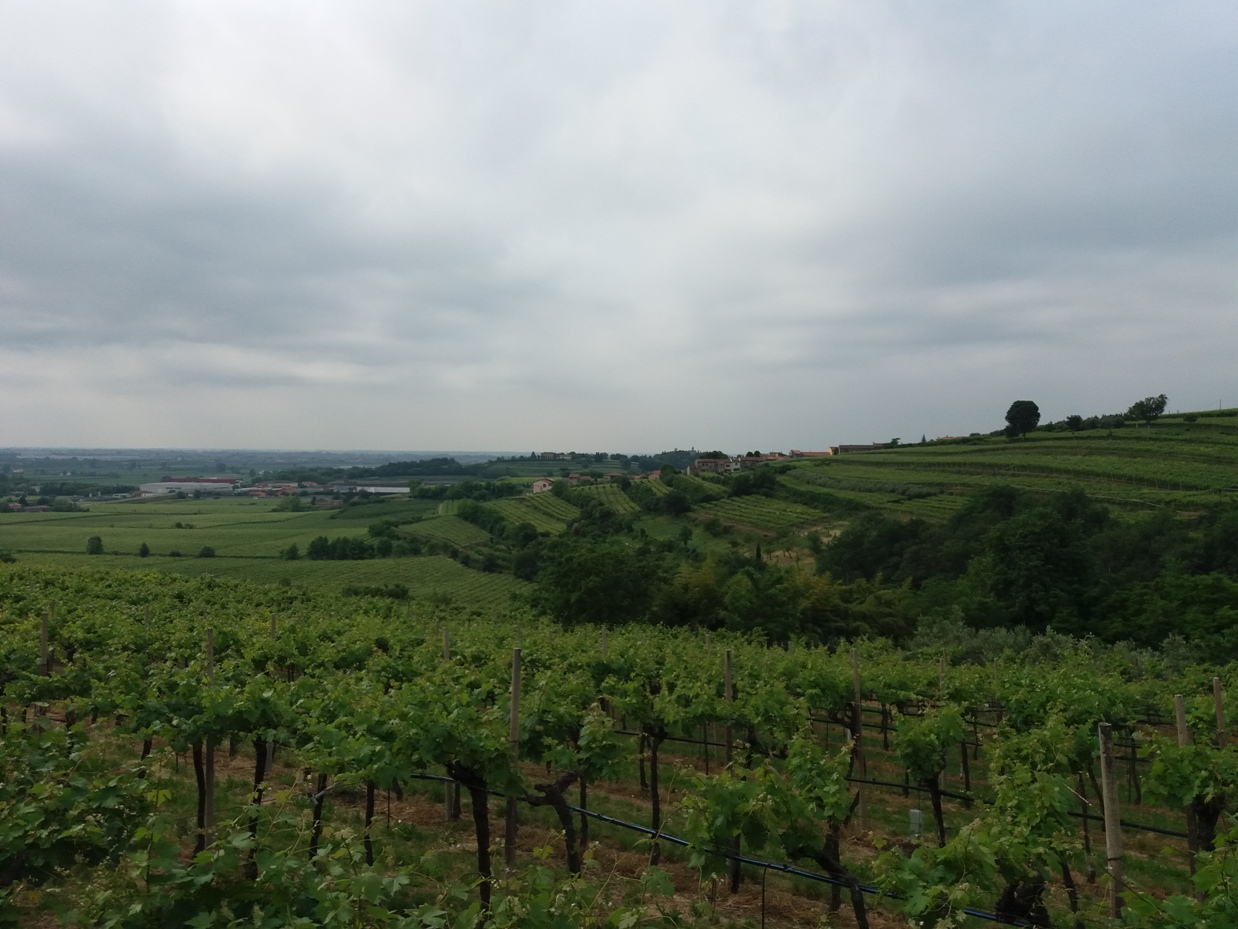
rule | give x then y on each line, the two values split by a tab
94	545
391	591
206	552
143	550
344	548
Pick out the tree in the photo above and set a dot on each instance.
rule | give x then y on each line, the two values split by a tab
143	550
602	581
94	545
1074	422
1147	409
1038	566
1021	418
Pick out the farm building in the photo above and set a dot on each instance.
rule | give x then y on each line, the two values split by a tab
190	485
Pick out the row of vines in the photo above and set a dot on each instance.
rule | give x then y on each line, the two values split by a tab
108	681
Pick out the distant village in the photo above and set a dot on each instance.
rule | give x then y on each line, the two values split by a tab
330	494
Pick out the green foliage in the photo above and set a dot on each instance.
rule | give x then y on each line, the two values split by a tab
94	545
61	803
1022	418
922	741
1037	566
341	548
1215	904
936	884
606	581
390	591
1148	409
778	603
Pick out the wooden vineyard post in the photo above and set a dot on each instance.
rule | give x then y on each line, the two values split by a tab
209	822
271	744
1184	739
45	659
450	807
513	741
728	688
729	696
45	653
941	695
1113	820
1220	711
858	738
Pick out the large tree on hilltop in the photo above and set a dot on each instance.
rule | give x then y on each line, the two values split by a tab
1147	409
1021	418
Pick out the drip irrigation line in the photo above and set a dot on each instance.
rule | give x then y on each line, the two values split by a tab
1092	817
674	738
742	859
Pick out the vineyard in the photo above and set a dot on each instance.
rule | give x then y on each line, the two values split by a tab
450	529
240	527
204	752
545	512
609	495
762	513
1175	464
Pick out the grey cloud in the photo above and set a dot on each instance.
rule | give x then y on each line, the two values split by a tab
625	220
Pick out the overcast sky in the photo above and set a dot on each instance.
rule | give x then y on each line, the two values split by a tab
609	225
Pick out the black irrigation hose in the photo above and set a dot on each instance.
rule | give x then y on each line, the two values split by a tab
1137	827
674	738
743	859
1091	817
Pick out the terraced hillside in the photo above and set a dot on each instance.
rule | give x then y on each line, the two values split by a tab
546	512
1172	464
609	495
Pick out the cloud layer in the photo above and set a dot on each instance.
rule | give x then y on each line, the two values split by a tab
604	225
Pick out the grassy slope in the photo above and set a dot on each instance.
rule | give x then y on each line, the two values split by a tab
1172	464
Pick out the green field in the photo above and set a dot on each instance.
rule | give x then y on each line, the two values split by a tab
451	529
237	527
248	536
545	512
657	487
1171	464
762	513
610	495
434	579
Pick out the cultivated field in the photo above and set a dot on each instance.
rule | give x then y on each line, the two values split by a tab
247	537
